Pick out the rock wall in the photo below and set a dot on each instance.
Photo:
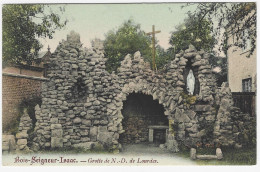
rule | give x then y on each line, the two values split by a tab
8	144
82	102
22	136
232	127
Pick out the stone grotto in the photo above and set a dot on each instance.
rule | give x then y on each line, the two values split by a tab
83	105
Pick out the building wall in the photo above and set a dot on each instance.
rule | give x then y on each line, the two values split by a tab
240	67
16	70
14	90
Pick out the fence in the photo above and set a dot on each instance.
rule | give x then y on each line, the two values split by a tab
245	101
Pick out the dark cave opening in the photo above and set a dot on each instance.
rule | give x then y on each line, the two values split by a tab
140	111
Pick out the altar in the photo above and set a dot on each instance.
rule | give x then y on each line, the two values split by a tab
153	128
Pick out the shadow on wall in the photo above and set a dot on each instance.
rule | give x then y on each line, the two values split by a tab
28	104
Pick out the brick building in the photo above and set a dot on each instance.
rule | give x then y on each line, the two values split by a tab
19	83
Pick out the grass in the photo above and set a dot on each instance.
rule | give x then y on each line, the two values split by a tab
231	156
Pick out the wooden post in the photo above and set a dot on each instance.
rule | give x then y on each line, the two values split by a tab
153	44
150	135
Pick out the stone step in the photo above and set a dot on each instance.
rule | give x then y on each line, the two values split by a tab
206	157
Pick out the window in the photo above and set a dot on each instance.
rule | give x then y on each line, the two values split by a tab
247	41
247	85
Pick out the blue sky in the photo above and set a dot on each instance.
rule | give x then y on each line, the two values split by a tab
95	20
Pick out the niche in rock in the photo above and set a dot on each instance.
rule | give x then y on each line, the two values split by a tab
27	120
141	112
77	92
192	85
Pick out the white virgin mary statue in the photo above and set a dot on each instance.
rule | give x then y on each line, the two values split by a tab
190	82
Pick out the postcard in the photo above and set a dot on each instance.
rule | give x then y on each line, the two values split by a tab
129	84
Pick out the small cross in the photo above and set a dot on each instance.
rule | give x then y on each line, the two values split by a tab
153	43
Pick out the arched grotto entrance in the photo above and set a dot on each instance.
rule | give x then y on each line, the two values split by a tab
144	120
83	104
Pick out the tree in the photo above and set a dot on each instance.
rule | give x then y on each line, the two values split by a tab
235	18
219	66
128	39
195	32
22	25
199	32
162	56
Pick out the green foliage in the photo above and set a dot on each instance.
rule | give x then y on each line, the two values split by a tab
22	25
162	57
209	130
248	135
128	39
188	99
220	62
235	18
199	32
205	151
195	32
231	156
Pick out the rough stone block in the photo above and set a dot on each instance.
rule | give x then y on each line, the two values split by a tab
22	142
105	137
193	153
84	133
151	135
56	142
210	117
5	146
191	114
86	145
182	117
193	129
93	133
21	147
112	128
47	144
54	120
57	133
172	145
219	153
22	135
86	122
77	120
202	108
56	126
206	157
102	129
